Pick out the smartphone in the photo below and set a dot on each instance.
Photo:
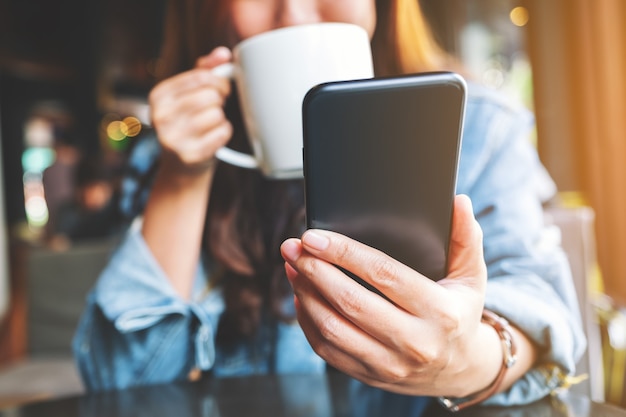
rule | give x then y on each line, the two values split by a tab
380	163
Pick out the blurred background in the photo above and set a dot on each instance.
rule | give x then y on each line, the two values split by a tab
74	75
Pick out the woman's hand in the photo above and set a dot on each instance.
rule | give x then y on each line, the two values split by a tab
427	341
191	126
187	113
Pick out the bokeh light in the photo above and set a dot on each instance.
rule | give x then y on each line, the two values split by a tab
121	129
35	204
519	16
115	130
36	211
37	159
131	126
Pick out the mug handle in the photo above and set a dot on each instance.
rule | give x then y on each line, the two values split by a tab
225	154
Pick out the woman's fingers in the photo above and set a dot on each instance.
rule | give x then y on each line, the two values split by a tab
187	82
197	133
187	112
345	301
363	335
199	77
402	285
192	89
170	104
417	338
343	344
399	283
327	332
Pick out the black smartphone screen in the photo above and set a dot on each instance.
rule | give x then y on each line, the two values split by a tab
380	163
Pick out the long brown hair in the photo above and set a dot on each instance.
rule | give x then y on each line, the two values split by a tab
249	216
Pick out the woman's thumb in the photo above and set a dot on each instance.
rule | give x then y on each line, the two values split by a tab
466	243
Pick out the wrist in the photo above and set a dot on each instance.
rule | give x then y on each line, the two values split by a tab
506	351
172	172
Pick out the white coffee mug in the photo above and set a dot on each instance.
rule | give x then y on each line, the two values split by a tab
273	72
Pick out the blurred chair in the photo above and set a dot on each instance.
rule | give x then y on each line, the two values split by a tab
57	285
578	239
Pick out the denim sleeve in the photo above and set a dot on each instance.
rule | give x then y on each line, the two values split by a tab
529	278
141	160
136	330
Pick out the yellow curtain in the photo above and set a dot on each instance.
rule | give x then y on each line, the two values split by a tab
578	53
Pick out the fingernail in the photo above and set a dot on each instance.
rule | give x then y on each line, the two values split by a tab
291	250
315	240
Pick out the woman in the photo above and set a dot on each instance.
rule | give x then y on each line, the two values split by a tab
198	285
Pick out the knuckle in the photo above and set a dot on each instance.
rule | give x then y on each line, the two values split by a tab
168	141
225	130
342	252
394	374
318	346
215	115
419	355
425	355
330	329
384	273
323	349
197	125
199	77
351	302
157	116
212	126
315	340
211	96
309	266
450	322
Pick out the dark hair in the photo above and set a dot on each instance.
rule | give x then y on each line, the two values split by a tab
248	218
249	215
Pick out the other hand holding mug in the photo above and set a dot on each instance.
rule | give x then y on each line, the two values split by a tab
273	72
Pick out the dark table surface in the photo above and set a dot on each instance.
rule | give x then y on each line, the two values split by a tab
276	396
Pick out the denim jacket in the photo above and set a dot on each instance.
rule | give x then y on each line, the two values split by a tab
136	330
